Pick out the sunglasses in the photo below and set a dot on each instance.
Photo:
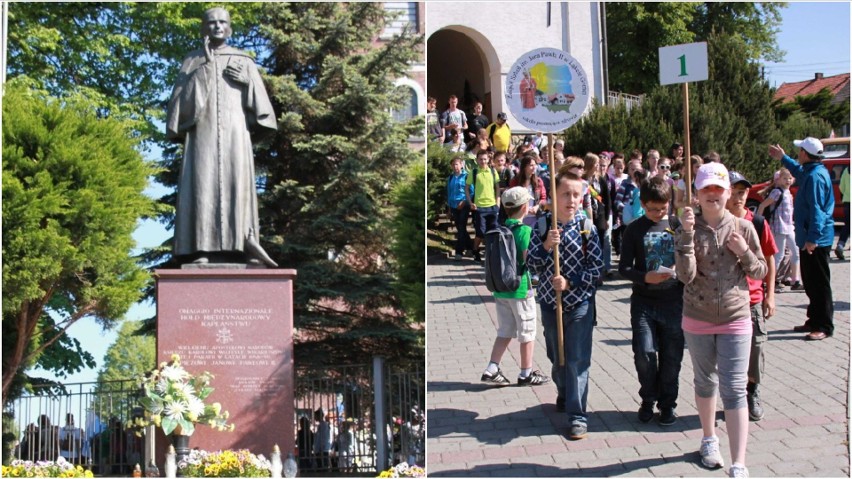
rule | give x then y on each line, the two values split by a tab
664	167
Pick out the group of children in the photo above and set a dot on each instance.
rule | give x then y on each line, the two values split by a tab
700	279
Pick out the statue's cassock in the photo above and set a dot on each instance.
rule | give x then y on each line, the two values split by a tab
214	116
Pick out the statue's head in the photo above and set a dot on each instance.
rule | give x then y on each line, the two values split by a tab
216	23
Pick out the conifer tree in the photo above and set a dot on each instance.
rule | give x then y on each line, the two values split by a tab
330	171
72	193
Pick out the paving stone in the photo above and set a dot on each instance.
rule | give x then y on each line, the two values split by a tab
804	392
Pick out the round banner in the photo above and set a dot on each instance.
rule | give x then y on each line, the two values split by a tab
547	90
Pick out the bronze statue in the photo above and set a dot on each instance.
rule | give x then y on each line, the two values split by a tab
218	102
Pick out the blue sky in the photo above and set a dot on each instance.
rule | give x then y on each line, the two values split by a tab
815	36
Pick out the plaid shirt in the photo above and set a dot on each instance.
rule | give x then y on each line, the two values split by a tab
582	270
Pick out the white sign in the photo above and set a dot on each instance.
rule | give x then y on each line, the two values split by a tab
547	90
683	63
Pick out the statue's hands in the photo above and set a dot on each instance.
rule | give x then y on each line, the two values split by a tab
236	71
207	48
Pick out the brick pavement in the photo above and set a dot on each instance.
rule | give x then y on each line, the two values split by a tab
475	430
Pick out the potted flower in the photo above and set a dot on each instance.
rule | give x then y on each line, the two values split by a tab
174	400
240	463
58	468
404	470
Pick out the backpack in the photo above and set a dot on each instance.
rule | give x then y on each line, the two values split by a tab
542	226
491	133
758	226
773	208
632	209
501	260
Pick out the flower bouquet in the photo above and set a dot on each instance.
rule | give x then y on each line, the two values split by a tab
404	470
60	468
241	463
174	400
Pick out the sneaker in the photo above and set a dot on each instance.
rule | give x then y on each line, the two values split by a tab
797	286
738	471
755	409
779	288
477	257
577	431
497	379
710	455
458	257
534	379
646	411
668	416
839	253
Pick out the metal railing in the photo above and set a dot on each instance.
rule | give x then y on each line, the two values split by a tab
614	98
352	420
92	432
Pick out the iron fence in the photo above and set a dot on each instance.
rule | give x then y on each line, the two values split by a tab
351	421
92	431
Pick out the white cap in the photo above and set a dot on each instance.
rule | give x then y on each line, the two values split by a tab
811	145
515	196
712	174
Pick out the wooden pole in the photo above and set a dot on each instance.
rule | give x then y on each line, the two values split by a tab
686	148
554	225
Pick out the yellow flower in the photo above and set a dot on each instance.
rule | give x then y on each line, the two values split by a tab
175	358
231	427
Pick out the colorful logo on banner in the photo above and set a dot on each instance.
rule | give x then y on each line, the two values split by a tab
547	90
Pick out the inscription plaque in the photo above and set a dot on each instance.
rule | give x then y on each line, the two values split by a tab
238	325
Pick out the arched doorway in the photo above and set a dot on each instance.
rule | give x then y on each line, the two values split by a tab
462	62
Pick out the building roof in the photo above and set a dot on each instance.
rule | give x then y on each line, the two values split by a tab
835	84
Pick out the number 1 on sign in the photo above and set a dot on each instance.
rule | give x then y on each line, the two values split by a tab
682	59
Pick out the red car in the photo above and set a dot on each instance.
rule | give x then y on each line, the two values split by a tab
838	148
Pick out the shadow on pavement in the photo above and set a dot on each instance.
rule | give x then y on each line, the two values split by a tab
458	386
521	469
495	430
620	421
458	300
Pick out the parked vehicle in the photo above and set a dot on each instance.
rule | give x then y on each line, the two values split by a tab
836	160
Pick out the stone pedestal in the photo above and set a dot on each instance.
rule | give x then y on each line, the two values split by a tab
238	325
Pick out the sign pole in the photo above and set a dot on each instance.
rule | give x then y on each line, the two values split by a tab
553	225
686	148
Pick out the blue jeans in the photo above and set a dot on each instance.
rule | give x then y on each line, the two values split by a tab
463	240
606	245
572	380
657	348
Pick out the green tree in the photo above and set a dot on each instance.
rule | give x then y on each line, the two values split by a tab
131	356
818	105
636	31
408	233
128	52
730	113
72	193
329	175
438	160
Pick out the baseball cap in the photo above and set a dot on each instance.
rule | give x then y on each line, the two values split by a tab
737	177
502	116
712	174
811	145
515	196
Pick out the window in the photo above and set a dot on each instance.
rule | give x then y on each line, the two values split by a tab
408	111
406	13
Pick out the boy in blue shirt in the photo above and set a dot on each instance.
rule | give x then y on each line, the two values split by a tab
516	310
459	208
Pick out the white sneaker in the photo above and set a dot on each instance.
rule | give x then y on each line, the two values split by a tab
738	471
710	455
